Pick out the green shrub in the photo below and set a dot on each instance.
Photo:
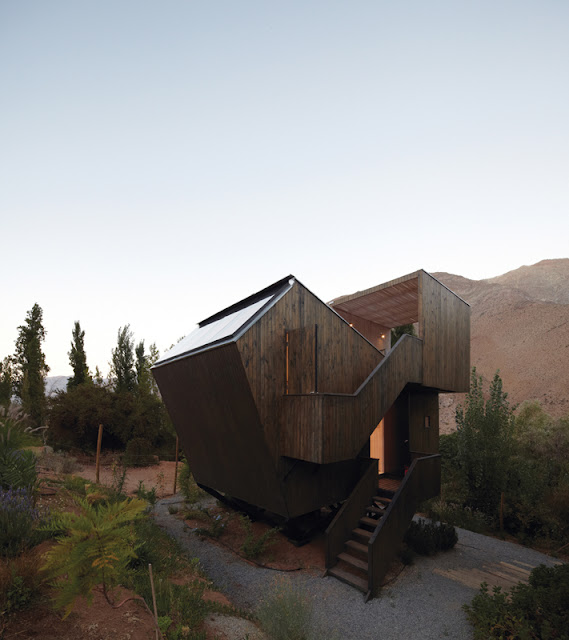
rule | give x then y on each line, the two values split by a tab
18	515
94	550
173	509
19	584
535	610
252	546
59	462
426	538
139	453
190	490
146	494
457	515
216	527
285	613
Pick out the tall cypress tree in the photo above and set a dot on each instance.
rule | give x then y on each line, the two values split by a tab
122	365
31	368
78	358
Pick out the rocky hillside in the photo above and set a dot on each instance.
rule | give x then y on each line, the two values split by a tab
519	326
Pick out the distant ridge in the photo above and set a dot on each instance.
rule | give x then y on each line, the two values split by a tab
519	325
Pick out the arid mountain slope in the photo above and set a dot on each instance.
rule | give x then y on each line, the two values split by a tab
519	326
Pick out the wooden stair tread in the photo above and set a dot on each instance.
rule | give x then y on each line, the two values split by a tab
375	509
353	561
349	578
382	499
370	522
356	546
362	532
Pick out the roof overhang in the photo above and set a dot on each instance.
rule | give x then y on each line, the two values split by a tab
391	304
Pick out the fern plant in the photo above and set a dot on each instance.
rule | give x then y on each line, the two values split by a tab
94	550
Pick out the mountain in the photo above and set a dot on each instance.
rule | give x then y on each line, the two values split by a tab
519	326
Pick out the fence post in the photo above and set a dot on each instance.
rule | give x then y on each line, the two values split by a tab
99	439
176	467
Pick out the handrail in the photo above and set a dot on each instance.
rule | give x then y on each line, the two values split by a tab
348	516
421	482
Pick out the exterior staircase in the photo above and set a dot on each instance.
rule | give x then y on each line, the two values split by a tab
352	565
363	538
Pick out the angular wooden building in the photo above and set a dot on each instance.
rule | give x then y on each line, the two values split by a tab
290	404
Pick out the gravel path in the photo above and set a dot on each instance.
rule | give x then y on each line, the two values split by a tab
424	601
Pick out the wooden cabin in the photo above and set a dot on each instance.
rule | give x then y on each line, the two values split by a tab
290	404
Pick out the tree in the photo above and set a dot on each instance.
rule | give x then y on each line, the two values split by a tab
30	366
78	358
486	446
397	332
6	382
122	365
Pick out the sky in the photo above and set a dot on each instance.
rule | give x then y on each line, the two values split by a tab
162	160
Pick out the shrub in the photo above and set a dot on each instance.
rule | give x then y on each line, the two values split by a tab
285	613
17	518
146	494
19	584
95	550
252	546
427	538
535	610
215	529
457	515
138	453
59	462
190	490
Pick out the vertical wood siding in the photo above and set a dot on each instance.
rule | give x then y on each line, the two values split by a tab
445	329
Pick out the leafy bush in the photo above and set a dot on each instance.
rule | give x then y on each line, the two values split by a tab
252	546
18	469
216	527
535	610
426	538
457	515
19	584
59	462
190	490
17	518
285	613
138	453
95	549
146	494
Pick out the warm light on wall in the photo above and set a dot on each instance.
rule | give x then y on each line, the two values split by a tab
383	336
351	325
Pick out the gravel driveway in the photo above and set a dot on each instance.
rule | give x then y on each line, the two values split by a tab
424	601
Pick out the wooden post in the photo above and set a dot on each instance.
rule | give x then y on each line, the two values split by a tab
98	463
176	467
502	513
153	599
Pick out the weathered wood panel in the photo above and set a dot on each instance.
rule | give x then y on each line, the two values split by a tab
213	410
344	359
424	407
301	354
328	428
444	326
421	483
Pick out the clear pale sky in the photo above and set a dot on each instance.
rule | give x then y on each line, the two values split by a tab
161	160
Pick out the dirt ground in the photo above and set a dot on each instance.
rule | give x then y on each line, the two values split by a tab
160	475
